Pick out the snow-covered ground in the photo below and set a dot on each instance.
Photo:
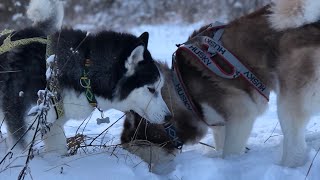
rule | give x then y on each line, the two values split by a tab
195	162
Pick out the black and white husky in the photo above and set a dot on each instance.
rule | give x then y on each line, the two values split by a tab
123	74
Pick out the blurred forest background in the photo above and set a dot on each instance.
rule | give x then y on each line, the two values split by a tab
123	14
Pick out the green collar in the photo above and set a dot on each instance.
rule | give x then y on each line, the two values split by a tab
85	82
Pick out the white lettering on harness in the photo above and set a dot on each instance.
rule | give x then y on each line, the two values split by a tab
216	46
203	57
183	96
256	82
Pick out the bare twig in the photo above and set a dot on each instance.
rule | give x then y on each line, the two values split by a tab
312	164
3	72
137	129
2	122
10	153
271	135
30	156
207	145
89	155
76	49
107	129
150	159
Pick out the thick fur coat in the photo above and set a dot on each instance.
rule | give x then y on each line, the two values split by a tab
285	58
122	75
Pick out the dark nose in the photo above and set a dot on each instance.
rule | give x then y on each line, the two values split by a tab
168	117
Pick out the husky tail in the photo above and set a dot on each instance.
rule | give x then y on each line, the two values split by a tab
286	14
46	14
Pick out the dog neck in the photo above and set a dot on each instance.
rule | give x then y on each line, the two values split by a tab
76	105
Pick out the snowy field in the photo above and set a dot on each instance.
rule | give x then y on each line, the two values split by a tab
195	162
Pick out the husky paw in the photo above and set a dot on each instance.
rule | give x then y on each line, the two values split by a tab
295	158
214	154
294	161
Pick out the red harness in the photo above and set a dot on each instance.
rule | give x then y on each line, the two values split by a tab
204	57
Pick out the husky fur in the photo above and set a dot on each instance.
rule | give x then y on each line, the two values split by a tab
294	13
287	61
150	141
122	72
47	15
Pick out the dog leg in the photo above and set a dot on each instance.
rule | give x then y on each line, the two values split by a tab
213	117
293	119
241	113
55	139
219	133
237	132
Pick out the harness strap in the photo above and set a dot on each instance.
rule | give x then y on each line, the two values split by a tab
85	82
6	31
172	133
181	89
214	48
53	83
239	69
8	44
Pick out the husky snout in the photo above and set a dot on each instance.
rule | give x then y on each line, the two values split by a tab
158	111
168	114
165	110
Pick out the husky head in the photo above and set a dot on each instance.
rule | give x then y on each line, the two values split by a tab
140	89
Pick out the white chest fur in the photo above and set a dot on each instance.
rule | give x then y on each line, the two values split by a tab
211	116
76	106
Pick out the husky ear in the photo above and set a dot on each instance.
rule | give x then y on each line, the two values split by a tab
135	57
144	37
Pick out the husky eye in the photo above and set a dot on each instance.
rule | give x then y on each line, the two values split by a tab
151	90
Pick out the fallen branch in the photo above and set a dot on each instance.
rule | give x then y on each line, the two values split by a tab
271	135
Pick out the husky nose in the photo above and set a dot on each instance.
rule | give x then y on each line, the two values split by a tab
168	117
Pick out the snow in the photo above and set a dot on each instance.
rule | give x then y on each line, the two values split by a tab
195	162
50	59
49	71
17	16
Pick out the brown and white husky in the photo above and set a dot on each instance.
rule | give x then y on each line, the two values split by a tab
280	43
